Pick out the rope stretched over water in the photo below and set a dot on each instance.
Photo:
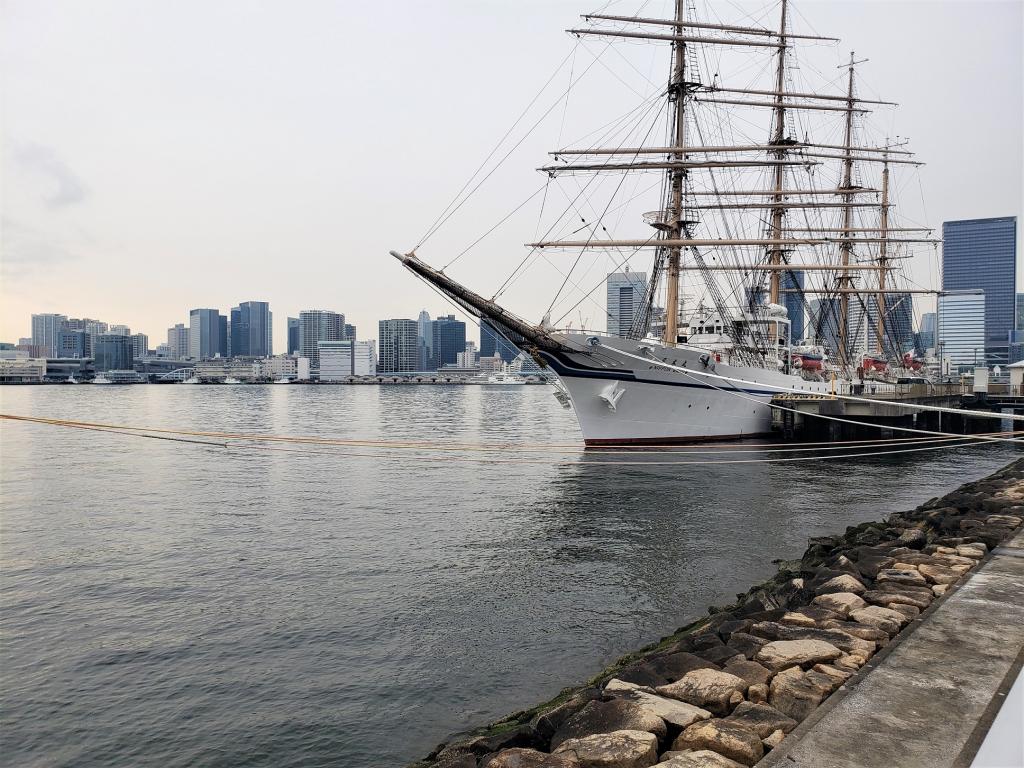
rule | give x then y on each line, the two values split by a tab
238	441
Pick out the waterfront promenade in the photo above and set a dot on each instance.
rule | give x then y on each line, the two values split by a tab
892	645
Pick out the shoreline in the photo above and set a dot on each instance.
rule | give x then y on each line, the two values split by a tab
852	592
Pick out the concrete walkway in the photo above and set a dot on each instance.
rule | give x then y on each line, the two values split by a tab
929	699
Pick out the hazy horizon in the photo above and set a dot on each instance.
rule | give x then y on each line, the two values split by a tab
170	155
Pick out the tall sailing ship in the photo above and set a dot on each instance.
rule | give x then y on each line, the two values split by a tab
798	230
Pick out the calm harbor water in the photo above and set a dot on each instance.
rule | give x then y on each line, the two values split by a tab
176	604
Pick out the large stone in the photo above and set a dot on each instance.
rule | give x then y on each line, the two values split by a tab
717	655
840	602
757	694
809	616
896	576
750	671
518	736
618	749
938	574
455	759
607	716
641	674
841	640
914	538
724	737
616	686
548	722
701	758
530	758
885	599
746	644
673	666
848	663
838	676
973	551
885	619
842	583
762	719
678	713
774	739
871	561
708	689
794	695
909	611
1009	521
780	654
863	631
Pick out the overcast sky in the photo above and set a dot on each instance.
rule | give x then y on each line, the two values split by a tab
160	155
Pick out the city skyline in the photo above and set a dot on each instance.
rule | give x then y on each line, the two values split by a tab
88	198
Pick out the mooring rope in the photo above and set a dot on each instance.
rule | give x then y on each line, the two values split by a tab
234	441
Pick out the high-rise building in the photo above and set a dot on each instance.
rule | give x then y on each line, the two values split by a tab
399	350
862	328
95	328
981	254
1016	346
469	358
72	344
961	327
120	330
425	340
140	345
926	335
794	302
251	330
293	335
113	353
316	325
626	291
208	334
448	340
45	330
341	359
825	314
178	344
493	343
349	334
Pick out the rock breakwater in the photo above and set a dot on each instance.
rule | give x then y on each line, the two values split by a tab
727	689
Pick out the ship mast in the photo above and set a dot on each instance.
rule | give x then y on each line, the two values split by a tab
880	302
846	245
777	140
677	90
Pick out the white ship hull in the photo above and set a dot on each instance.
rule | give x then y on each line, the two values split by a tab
619	399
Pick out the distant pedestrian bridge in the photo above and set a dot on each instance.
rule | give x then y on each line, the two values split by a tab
178	374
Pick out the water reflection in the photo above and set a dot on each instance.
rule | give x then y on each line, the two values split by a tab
173	604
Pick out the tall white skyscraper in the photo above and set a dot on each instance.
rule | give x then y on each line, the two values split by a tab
341	359
626	291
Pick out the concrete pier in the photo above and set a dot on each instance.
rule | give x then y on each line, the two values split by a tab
928	700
